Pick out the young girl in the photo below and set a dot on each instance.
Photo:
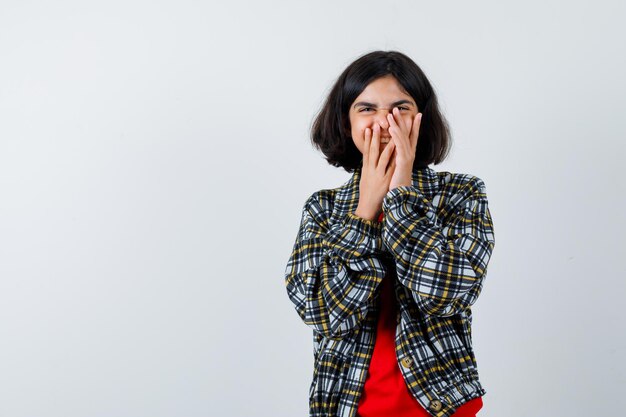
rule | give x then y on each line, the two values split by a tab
385	268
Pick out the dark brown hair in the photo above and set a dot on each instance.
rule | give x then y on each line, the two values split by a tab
330	132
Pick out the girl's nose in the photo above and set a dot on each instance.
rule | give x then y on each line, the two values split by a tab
382	120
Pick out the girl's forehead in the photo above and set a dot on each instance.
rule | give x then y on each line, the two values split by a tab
385	98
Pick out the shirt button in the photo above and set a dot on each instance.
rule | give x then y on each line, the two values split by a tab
435	405
407	362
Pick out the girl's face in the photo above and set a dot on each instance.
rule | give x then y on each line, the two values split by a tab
372	106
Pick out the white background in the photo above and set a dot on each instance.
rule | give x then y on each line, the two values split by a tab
154	159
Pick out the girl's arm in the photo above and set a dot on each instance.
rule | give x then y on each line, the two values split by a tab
333	271
444	265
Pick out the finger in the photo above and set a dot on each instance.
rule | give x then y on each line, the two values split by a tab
386	154
417	121
397	129
392	120
408	124
375	146
392	165
366	144
401	122
403	125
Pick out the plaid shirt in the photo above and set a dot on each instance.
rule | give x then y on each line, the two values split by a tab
436	237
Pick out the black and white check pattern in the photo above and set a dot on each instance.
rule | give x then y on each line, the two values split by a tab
436	239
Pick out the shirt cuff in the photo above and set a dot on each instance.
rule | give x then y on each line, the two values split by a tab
407	200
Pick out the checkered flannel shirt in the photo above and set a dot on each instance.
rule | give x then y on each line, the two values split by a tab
436	238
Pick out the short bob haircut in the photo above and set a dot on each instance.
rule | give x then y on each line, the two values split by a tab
331	131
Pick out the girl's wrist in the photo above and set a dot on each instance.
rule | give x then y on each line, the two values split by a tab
366	214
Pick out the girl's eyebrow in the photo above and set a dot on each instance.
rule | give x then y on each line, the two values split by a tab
394	104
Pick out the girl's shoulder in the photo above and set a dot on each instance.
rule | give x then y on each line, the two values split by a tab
459	183
440	184
326	198
323	199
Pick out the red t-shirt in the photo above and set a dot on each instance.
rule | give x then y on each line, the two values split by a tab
385	393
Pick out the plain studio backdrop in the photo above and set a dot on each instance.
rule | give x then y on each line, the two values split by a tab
155	157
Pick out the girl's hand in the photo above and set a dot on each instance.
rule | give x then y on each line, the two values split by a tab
404	134
376	174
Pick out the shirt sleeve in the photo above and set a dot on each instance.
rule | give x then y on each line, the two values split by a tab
333	270
441	258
